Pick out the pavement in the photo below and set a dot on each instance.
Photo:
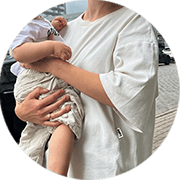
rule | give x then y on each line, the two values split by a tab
166	103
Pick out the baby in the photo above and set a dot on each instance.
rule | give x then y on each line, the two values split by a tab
36	41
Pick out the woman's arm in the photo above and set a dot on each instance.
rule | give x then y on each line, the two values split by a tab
86	82
33	51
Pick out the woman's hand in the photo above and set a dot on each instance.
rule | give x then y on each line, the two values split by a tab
37	111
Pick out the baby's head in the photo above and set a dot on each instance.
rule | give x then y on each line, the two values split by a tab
59	23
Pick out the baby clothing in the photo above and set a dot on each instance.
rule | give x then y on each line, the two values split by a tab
34	137
36	30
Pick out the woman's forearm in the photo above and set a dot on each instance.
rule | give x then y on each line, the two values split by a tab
33	51
86	82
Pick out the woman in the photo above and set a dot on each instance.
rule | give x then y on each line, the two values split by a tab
114	65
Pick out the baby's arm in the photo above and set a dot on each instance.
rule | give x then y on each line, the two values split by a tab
33	51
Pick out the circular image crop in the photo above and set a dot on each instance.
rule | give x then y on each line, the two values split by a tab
89	89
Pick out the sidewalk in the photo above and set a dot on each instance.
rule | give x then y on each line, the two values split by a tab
163	124
166	103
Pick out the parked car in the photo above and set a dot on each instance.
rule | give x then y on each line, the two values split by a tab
163	57
167	51
7	101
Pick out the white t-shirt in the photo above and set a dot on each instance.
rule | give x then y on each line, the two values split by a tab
122	48
36	30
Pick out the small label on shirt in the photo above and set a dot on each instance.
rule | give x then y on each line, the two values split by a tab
120	134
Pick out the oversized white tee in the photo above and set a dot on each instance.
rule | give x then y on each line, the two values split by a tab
122	49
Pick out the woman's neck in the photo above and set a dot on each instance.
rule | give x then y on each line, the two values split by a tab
97	9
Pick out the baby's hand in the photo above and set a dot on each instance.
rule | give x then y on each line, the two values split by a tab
59	23
62	51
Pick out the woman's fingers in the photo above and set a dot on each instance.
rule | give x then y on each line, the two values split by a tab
56	105
37	92
51	98
55	115
50	106
60	112
51	123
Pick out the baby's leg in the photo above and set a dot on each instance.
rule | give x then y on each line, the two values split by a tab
60	149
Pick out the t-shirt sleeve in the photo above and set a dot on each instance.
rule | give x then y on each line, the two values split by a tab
132	84
28	34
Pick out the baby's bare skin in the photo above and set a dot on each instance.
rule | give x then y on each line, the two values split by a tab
59	23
